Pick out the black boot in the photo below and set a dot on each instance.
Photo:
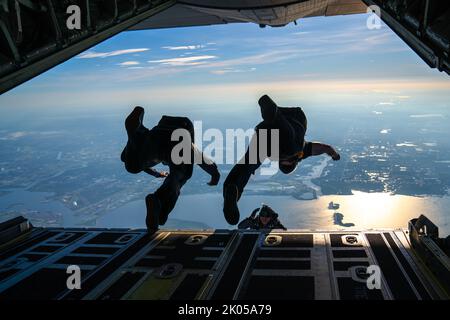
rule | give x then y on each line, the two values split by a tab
134	120
153	211
268	108
230	207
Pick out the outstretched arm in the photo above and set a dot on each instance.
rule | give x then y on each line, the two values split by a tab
245	224
207	165
254	212
279	225
318	148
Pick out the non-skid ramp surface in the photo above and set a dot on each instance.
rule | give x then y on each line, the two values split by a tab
214	265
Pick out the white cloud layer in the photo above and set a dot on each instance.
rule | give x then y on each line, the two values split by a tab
428	115
339	90
230	70
184	61
93	54
128	63
192	47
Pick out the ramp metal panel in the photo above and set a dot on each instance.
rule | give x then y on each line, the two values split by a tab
216	264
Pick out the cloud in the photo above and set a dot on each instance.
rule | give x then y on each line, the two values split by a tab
230	70
240	92
265	51
386	103
185	61
301	33
428	115
192	47
93	54
20	134
17	134
220	72
354	39
257	59
128	63
228	66
384	91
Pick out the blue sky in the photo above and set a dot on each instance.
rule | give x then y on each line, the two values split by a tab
322	61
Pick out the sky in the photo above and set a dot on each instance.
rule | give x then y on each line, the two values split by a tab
322	61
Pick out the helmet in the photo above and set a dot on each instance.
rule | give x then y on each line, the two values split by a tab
267	211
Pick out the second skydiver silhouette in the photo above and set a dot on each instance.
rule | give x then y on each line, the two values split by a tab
291	124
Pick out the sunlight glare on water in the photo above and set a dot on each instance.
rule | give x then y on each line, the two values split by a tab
367	211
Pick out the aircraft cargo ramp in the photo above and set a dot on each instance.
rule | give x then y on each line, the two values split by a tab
221	264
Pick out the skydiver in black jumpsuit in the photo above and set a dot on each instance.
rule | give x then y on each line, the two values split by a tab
146	148
291	124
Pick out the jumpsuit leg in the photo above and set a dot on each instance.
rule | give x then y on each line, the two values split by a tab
169	191
241	172
133	153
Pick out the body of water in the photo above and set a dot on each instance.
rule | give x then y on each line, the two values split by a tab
363	210
358	211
